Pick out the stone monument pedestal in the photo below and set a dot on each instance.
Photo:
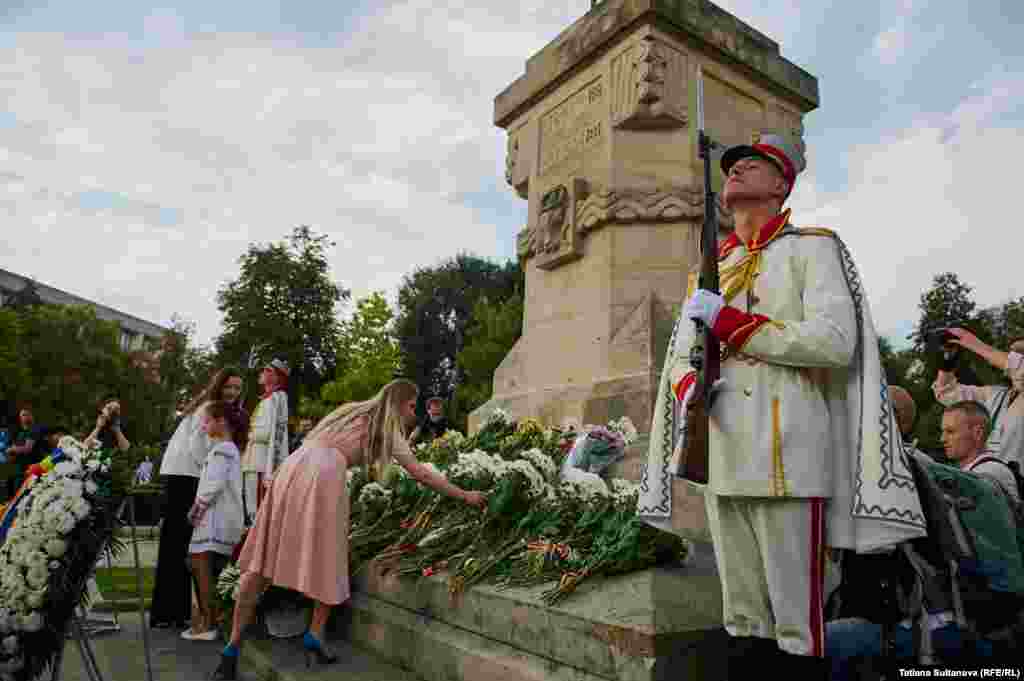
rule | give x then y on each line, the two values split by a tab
658	624
602	145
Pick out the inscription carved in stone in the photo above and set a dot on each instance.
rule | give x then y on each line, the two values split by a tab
649	83
572	127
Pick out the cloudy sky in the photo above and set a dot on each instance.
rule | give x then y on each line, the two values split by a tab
143	147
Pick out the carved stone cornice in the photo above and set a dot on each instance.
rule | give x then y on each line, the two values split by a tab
605	205
569	212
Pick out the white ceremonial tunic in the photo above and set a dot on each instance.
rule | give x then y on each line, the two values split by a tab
803	399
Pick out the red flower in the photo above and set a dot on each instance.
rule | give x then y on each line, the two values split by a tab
427	571
36	469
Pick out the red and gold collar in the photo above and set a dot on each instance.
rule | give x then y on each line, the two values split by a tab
762	238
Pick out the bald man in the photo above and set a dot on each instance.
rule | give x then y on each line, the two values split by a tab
905	408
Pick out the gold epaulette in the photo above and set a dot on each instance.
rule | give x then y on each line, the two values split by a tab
815	231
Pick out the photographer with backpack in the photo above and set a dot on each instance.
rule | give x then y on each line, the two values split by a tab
953	597
1006	438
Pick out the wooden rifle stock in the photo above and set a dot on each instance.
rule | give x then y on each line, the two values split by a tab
705	355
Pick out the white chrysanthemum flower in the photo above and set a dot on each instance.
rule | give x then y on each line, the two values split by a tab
67	467
81	508
38	576
66	523
542	462
453	438
588	484
373	490
56	547
624	489
36	597
497	415
535	479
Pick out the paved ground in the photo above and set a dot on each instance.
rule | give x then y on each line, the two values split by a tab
121	657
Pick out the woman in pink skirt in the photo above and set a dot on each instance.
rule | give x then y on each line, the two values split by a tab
300	538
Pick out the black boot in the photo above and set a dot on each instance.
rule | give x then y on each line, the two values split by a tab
744	658
227	670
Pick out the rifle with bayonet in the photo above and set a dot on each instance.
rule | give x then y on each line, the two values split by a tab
705	355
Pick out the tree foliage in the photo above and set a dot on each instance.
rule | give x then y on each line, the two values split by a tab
494	329
435	306
368	354
284	304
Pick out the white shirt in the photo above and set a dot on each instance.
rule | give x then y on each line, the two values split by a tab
187	450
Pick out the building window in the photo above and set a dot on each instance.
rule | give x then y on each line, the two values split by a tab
126	340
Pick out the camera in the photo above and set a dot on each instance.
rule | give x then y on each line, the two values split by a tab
936	339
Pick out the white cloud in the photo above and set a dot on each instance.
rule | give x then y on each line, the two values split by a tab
245	136
890	45
928	199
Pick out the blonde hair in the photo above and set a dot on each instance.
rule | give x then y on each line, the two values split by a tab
386	429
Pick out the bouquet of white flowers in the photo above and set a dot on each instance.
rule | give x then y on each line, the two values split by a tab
51	534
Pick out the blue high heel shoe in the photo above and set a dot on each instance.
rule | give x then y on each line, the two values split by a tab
315	650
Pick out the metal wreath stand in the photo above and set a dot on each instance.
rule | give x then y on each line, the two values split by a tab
81	634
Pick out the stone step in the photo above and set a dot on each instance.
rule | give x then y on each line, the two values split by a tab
626	628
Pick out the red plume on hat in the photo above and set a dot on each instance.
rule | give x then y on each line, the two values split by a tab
781	151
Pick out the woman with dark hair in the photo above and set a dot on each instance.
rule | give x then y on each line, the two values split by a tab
300	539
181	468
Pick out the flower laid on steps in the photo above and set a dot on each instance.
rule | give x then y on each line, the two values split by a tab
545	523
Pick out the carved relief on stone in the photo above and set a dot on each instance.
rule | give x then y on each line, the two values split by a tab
568	212
605	205
649	84
552	238
516	174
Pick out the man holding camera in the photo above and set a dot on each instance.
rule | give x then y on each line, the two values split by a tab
1006	439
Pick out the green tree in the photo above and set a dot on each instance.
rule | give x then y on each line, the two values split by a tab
368	353
435	306
14	371
284	304
185	368
947	303
494	329
74	360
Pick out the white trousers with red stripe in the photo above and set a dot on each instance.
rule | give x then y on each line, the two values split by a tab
771	562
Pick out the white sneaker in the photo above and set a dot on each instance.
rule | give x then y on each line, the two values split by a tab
211	635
